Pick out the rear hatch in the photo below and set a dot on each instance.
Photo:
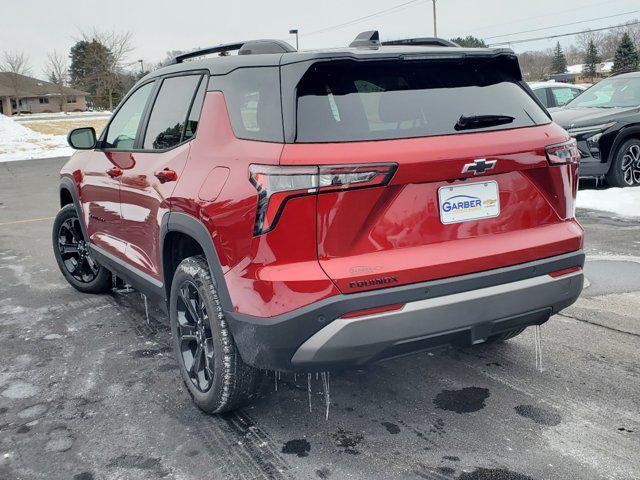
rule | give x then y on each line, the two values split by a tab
464	182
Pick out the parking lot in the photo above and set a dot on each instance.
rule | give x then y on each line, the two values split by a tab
89	388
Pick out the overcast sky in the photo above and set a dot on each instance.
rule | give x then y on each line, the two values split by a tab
37	26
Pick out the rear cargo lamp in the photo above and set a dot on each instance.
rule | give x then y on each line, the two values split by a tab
277	184
563	153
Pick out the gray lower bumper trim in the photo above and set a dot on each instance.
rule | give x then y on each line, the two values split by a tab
366	337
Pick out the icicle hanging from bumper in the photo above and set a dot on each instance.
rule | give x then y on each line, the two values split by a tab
538	346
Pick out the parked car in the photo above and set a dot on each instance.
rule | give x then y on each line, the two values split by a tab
309	211
556	94
605	120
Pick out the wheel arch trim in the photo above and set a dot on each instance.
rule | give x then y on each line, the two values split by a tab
624	134
66	183
194	228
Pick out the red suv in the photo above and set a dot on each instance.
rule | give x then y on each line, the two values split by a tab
309	211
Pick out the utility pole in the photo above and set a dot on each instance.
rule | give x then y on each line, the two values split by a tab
294	31
435	28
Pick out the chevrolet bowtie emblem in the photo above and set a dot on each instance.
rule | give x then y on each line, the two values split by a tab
479	166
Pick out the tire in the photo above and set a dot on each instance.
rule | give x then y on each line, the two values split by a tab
70	250
220	381
503	337
625	167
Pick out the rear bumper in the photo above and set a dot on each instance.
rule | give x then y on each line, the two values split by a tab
465	309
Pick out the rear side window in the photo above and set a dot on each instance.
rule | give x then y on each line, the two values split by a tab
196	109
354	101
169	114
541	93
253	102
124	125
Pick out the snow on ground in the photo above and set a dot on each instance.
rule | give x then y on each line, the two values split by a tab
21	143
60	116
624	202
27	117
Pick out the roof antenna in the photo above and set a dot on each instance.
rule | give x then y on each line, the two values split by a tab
370	39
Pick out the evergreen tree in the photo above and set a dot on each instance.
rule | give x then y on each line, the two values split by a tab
591	60
626	58
89	71
559	61
470	42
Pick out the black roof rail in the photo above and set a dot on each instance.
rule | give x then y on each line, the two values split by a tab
250	47
369	39
423	42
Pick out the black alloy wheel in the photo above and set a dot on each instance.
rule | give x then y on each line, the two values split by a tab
73	256
631	165
74	252
195	337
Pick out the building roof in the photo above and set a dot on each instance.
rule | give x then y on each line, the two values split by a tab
32	87
603	67
536	85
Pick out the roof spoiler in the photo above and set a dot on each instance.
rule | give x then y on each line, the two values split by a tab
423	42
371	39
250	47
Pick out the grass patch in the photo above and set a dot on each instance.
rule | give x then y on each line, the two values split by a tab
62	126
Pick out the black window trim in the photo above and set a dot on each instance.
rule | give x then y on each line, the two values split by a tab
146	113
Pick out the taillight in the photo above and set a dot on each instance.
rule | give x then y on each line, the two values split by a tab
563	153
276	185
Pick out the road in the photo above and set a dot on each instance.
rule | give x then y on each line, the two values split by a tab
89	389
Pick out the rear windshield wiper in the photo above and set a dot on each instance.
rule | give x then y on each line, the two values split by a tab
479	121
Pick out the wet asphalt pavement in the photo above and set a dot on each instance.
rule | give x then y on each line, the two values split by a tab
90	390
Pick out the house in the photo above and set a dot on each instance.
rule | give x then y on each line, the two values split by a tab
603	70
38	96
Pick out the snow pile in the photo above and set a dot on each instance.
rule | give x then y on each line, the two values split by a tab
21	143
624	202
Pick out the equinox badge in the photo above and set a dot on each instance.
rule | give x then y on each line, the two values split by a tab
479	166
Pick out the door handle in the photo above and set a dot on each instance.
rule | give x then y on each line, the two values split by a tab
166	175
114	172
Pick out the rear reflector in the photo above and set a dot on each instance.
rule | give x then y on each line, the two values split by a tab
565	271
563	153
372	311
277	184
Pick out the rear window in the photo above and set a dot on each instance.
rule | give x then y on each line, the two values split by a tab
253	101
357	101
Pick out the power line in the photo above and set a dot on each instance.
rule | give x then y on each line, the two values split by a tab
526	40
541	16
402	6
561	25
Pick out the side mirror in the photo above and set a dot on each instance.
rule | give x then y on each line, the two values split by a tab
83	138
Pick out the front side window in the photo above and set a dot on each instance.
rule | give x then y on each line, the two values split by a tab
124	125
563	95
169	113
346	101
610	93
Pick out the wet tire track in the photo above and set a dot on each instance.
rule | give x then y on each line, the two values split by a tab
241	448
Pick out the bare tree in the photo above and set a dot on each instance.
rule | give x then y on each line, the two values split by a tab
535	65
17	64
58	73
574	54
